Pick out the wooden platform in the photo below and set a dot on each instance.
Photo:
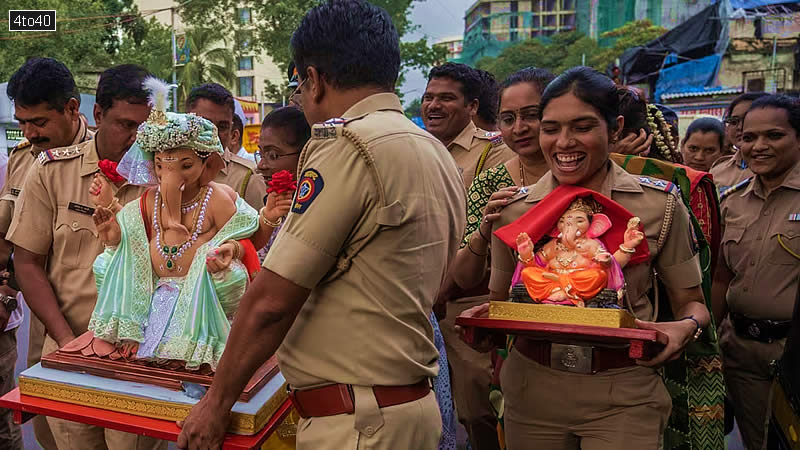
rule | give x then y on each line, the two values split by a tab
643	343
142	372
25	407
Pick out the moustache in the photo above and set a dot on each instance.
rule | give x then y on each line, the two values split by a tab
37	141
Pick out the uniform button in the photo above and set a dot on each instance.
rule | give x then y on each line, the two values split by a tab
766	213
369	430
752	263
74	224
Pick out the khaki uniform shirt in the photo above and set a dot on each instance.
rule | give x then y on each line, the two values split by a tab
729	171
765	272
676	262
20	160
468	148
369	326
54	218
240	174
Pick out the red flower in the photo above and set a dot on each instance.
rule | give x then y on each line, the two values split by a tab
109	169
281	182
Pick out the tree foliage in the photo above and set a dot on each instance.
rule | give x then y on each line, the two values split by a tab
210	61
277	19
565	50
414	108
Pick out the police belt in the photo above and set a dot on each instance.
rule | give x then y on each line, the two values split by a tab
335	399
574	358
760	330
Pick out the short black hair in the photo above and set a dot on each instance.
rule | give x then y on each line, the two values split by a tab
591	87
123	82
352	43
533	75
292	119
42	80
469	78
706	125
746	97
488	100
789	104
633	108
216	93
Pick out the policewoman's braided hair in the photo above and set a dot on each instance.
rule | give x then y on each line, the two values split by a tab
663	147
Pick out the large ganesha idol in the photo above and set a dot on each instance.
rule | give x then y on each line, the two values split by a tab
174	265
570	262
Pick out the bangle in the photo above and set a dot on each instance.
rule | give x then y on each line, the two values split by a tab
524	261
627	250
237	248
267	221
469	246
699	329
114	201
482	236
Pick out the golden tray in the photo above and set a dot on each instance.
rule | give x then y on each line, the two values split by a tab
560	314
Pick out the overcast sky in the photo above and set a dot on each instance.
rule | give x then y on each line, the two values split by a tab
437	19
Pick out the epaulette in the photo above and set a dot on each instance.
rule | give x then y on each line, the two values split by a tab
725	192
57	154
657	183
327	129
23	144
495	137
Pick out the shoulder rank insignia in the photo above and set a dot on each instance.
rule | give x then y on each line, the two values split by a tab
24	143
724	192
327	129
494	137
308	188
58	153
657	183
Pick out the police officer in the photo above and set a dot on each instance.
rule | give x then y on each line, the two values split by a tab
732	169
215	103
350	280
448	105
55	240
46	105
550	404
757	278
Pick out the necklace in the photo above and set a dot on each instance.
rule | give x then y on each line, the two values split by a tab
171	253
522	173
565	260
191	204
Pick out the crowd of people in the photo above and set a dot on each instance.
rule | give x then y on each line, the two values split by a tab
390	237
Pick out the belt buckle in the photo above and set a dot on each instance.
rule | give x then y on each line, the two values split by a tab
754	330
571	358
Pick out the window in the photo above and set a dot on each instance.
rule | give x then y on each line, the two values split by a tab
755	85
246	86
244	39
246	63
513	36
245	17
514	6
514	22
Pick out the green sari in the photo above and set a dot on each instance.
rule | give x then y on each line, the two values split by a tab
198	321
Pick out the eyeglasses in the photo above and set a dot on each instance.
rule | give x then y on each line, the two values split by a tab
527	115
733	121
296	92
271	155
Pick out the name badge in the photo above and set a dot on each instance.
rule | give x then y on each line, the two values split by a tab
80	208
15	192
794	217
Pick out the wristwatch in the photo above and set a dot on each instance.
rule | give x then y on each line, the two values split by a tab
9	302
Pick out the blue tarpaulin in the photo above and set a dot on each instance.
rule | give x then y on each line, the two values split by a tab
691	76
750	4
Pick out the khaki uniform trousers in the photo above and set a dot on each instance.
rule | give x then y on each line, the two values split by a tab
35	342
10	434
470	375
79	436
748	376
410	426
548	409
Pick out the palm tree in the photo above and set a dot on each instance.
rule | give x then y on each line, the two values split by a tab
211	61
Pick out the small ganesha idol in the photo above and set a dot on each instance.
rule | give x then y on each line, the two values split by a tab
572	264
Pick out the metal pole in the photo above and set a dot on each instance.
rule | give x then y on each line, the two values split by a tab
174	64
583	59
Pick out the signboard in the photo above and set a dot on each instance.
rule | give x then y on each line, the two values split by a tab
13	134
181	50
250	137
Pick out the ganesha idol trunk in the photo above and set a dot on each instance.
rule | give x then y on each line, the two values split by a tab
77	374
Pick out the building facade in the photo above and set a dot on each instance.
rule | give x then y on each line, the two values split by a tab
453	45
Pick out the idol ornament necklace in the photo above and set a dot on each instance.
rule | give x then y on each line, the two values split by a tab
171	253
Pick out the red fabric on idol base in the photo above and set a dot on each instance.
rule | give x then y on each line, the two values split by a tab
542	219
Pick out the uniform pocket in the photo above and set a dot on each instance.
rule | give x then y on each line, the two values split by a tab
784	245
75	243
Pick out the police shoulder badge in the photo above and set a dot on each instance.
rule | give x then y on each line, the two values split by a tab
308	188
657	183
495	138
725	192
59	153
327	129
